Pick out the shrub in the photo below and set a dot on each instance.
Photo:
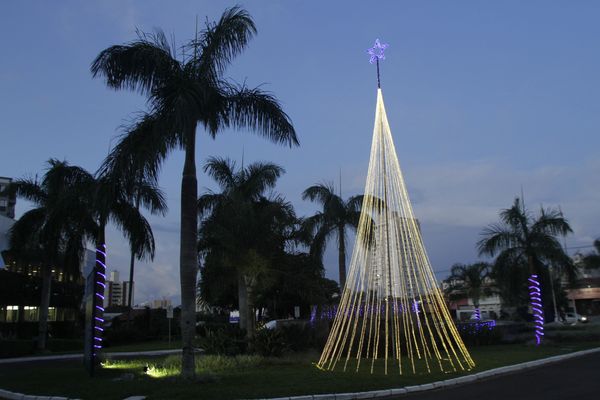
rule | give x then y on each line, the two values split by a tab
269	343
215	363
477	333
223	341
123	335
297	337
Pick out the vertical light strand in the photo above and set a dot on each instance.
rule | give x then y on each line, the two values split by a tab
391	307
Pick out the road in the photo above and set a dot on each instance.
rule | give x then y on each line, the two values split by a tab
577	378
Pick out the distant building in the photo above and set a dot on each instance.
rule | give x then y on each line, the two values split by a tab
584	294
116	291
462	308
160	303
7	203
5	224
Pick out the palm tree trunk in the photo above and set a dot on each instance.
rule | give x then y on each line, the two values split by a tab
188	256
251	326
243	301
130	288
44	306
131	267
342	257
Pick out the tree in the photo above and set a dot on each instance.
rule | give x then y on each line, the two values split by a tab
241	229
119	189
116	196
522	241
592	260
54	231
182	93
470	280
335	216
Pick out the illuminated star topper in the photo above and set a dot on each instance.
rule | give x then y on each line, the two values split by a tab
376	52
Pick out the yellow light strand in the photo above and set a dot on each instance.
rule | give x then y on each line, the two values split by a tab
391	289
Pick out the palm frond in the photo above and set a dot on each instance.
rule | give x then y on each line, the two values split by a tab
322	192
136	228
151	197
354	203
220	42
142	65
496	238
319	242
222	170
259	177
142	148
208	202
551	222
27	188
258	111
24	231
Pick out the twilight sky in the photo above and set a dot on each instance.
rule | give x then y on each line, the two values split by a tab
483	98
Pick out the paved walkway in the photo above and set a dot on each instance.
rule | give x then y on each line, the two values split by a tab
18	360
575	378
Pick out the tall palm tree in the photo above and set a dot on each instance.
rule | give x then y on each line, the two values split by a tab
241	225
470	280
183	92
336	215
524	241
55	229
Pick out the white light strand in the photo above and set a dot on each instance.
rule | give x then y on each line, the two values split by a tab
391	311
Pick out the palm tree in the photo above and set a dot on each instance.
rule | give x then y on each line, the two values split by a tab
520	240
470	280
336	215
134	186
116	197
242	227
55	230
182	93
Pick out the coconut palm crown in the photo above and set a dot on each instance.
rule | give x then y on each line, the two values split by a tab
335	216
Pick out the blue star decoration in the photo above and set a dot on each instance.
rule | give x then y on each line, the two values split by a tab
376	52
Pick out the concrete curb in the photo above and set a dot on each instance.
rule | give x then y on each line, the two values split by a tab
373	394
78	356
376	394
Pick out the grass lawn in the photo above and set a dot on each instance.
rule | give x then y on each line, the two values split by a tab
252	378
145	346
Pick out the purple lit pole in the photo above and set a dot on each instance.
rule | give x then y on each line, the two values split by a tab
98	303
535	297
477	314
376	53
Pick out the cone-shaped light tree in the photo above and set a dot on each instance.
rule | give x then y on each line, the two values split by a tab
392	315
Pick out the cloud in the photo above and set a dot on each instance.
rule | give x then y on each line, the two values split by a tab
453	202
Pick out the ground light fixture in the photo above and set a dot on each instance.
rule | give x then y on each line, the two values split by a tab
392	316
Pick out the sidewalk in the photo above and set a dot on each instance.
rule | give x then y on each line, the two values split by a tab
80	356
